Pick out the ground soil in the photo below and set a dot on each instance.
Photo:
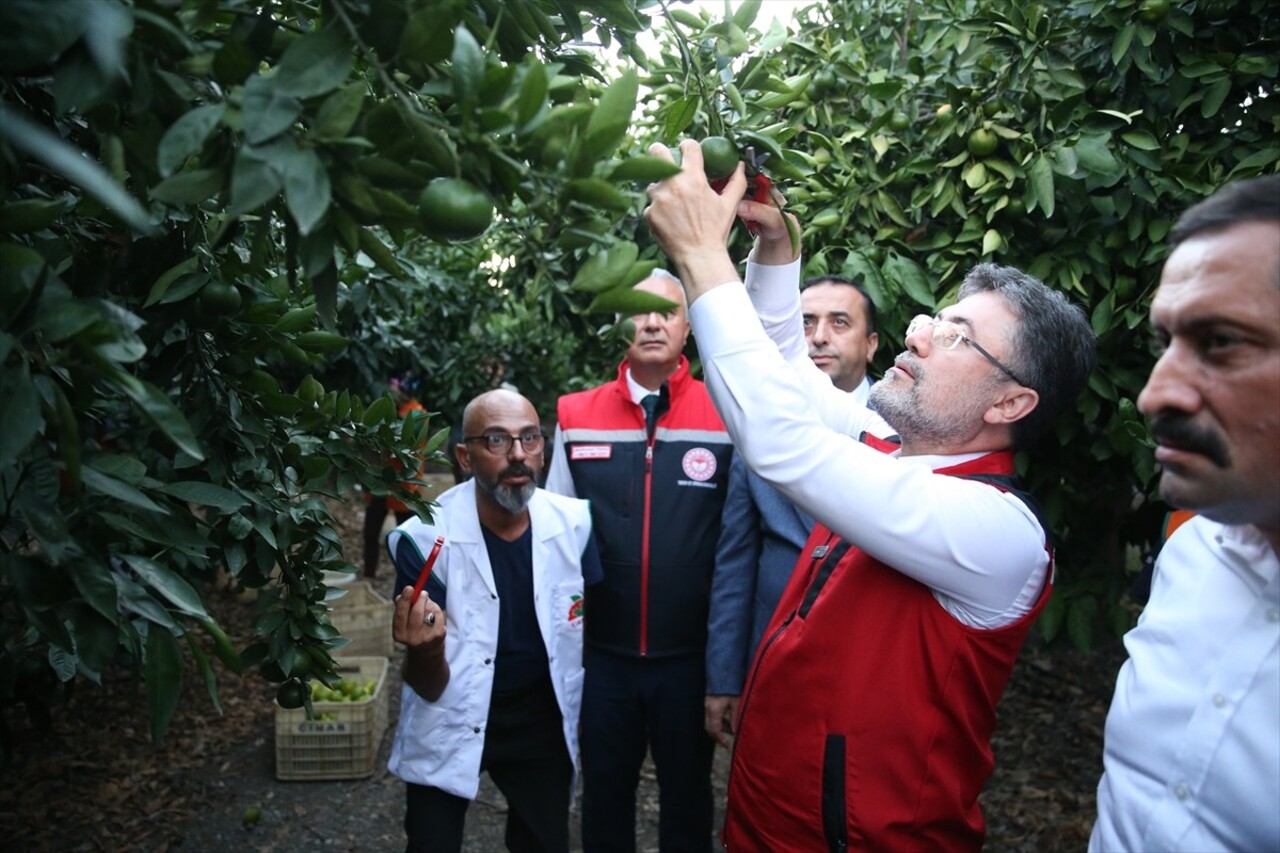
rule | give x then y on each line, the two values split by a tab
94	782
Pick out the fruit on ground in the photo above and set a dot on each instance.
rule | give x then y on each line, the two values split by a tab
982	143
719	157
454	209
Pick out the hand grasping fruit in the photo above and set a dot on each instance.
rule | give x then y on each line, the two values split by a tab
719	160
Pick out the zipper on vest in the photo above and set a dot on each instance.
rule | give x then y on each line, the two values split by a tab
644	548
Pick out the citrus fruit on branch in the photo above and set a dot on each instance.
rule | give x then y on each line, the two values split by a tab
454	209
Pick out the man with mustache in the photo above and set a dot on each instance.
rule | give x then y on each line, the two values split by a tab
870	704
1192	751
493	664
652	456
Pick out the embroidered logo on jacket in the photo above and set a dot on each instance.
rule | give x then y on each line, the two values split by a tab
576	609
699	464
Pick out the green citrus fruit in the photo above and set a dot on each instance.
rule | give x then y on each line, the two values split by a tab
719	157
982	143
899	121
1153	11
293	693
453	209
220	298
252	816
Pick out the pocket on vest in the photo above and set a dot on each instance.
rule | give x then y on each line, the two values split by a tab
834	773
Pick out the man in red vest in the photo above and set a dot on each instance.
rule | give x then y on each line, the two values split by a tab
867	716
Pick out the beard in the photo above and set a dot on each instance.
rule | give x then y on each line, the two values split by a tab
511	498
902	406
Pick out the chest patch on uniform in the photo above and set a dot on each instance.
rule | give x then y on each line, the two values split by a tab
591	451
699	464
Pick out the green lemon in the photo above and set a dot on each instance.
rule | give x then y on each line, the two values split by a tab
982	143
719	157
454	209
899	121
1153	11
293	693
219	298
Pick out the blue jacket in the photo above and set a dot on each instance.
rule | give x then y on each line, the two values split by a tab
761	535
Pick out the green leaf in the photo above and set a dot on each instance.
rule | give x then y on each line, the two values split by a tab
1140	139
604	270
34	33
155	405
1214	97
467	65
912	278
168	277
533	93
338	114
107	485
991	241
68	161
307	192
205	494
745	15
187	136
1095	156
315	64
189	187
598	193
628	301
1120	46
164	679
679	116
20	417
205	670
644	168
612	115
268	110
1042	184
379	253
255	179
171	586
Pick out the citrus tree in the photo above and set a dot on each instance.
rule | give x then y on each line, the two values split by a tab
199	202
917	138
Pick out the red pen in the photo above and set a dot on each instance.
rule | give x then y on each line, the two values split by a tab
426	570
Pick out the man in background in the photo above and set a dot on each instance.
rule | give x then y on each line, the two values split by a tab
1192	745
650	453
761	532
493	659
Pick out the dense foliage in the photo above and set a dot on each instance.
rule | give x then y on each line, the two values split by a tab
225	223
198	198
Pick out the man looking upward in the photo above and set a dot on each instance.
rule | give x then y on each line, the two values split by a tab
866	721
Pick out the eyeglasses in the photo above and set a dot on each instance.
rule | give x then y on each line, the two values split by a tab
948	336
499	443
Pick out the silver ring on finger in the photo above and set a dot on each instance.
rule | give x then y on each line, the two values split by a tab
429	620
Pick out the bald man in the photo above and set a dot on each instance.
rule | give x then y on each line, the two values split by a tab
493	662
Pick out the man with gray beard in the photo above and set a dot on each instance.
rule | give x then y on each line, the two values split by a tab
867	716
502	694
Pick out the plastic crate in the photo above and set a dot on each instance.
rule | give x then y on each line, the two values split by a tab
363	616
343	747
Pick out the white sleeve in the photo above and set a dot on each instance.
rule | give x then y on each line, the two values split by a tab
967	541
559	480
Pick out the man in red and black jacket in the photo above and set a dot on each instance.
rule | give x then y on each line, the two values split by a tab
652	456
